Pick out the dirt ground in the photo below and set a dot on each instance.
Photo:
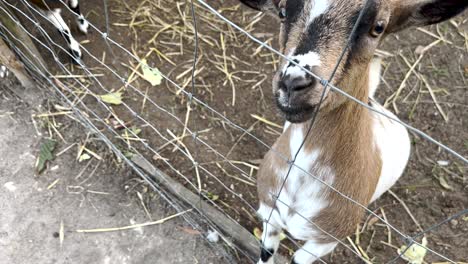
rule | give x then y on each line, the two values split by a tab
74	195
233	78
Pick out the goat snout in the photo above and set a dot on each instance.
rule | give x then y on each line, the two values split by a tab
290	83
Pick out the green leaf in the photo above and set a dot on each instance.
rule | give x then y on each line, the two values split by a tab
114	98
152	75
212	196
46	153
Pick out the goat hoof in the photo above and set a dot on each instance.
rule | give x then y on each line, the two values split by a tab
83	25
76	57
266	255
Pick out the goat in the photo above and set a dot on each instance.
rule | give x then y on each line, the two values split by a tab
361	154
52	10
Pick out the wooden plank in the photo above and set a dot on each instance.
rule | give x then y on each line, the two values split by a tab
8	58
18	39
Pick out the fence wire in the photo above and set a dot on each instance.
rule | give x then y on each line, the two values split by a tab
94	121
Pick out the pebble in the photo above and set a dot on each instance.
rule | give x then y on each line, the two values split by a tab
212	236
453	223
3	71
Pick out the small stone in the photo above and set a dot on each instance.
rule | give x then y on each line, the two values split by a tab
443	163
212	236
453	223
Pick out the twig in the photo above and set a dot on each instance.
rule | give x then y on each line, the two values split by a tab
111	229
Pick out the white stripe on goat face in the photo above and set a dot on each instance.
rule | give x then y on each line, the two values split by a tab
306	61
310	59
319	7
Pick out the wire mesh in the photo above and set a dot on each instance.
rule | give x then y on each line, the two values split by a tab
195	158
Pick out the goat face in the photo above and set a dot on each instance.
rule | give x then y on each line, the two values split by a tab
314	33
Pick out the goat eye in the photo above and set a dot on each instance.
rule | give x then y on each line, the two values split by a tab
378	29
282	13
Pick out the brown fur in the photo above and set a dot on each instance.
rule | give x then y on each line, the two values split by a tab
345	139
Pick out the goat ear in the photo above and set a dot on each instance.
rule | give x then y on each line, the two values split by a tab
409	13
260	5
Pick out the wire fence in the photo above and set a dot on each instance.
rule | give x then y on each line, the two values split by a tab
177	118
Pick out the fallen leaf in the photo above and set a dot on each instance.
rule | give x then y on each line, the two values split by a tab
152	75
45	154
258	234
443	182
371	222
128	154
84	156
415	253
211	196
114	98
282	236
419	50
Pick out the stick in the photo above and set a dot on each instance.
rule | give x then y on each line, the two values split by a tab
98	230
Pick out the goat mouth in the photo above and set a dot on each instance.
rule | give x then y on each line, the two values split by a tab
297	114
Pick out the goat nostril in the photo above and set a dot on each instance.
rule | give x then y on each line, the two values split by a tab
296	84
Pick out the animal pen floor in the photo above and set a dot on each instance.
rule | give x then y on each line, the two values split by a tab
233	77
40	214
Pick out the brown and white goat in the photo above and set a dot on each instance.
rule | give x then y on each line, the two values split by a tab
358	152
52	10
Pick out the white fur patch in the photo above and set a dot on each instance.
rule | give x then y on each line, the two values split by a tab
302	196
311	251
374	76
56	19
310	59
74	45
320	6
393	141
73	3
390	138
83	27
286	125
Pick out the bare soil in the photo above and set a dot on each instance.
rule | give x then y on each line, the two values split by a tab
433	187
71	195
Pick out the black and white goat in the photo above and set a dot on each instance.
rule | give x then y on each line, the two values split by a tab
52	10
